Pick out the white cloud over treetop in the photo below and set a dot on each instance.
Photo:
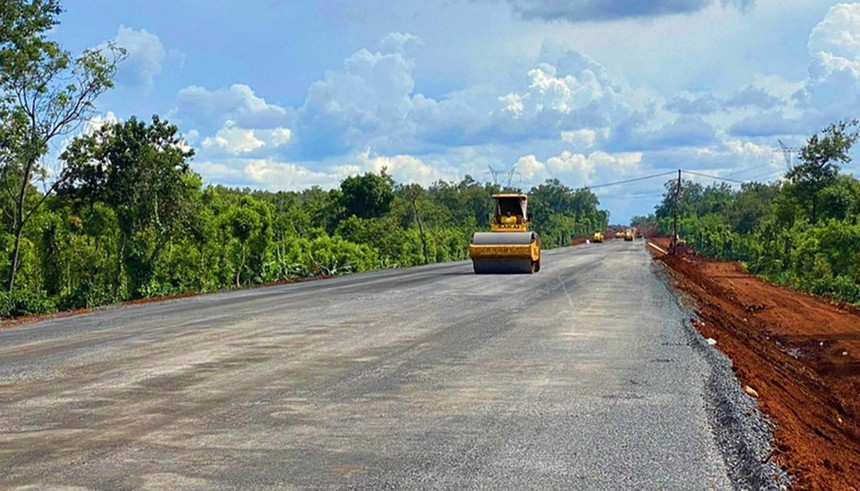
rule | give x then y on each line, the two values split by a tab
233	140
579	169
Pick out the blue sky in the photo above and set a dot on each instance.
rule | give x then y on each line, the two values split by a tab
289	94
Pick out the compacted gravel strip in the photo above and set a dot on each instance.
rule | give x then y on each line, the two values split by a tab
579	377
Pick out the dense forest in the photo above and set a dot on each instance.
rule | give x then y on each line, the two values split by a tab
801	231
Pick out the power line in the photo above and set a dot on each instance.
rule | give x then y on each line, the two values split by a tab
714	177
630	180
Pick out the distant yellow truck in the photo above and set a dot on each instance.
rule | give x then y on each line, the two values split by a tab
628	235
597	237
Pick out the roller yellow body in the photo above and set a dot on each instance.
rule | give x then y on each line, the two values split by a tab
509	247
597	237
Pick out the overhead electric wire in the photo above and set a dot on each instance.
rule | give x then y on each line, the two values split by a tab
631	180
712	177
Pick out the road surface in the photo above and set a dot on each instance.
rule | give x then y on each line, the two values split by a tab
578	377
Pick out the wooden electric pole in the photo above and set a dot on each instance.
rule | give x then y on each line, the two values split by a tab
674	241
413	198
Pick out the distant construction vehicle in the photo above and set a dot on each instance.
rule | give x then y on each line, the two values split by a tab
509	247
597	237
628	235
619	234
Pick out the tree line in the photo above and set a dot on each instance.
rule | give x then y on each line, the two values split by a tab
802	231
120	214
130	219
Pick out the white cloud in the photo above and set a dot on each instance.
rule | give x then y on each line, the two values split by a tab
530	167
404	168
580	169
834	46
839	33
277	137
145	56
562	93
398	42
366	104
581	138
284	175
219	172
96	122
237	103
512	103
233	140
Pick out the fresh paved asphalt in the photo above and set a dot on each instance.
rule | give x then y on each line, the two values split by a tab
578	377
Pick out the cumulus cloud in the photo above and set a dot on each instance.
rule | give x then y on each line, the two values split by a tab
238	103
564	93
584	138
271	174
604	10
286	175
834	72
145	57
404	168
529	167
233	140
579	169
365	104
399	42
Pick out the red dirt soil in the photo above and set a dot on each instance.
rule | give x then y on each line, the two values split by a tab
800	353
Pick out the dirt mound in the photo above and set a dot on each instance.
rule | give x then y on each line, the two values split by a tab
799	354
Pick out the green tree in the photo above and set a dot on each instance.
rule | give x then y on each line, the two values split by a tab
44	93
140	170
819	164
368	195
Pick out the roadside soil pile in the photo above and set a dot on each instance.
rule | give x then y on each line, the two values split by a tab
798	354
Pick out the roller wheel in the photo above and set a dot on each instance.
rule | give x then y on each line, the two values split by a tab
536	266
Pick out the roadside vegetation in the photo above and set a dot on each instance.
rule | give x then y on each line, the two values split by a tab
801	231
121	215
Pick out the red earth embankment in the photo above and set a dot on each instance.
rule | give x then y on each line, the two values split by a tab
799	353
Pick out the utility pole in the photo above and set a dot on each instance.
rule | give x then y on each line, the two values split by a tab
674	241
413	198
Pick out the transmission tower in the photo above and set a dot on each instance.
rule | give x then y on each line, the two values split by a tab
503	175
788	154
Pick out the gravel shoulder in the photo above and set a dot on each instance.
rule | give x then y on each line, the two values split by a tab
796	354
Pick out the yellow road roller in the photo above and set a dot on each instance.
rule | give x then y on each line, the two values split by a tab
597	237
509	246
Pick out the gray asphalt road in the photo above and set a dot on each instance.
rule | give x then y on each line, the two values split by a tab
578	377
